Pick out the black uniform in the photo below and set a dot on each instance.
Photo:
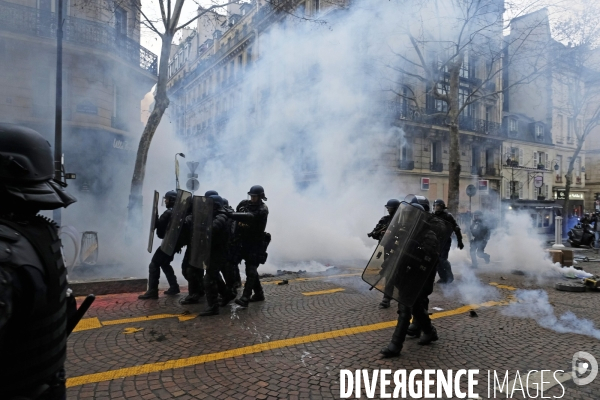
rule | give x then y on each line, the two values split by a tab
428	242
219	246
377	233
251	241
231	270
161	260
34	303
444	268
480	232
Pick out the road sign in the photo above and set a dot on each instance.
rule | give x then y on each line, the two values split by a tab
538	181
471	190
192	184
192	165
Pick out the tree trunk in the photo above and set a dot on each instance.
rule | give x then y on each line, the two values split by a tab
454	167
161	102
569	177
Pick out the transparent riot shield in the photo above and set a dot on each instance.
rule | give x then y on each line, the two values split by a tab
407	254
202	217
180	210
153	221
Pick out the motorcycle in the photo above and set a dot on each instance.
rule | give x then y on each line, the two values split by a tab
581	235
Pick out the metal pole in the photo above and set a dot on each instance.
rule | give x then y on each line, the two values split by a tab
558	233
58	116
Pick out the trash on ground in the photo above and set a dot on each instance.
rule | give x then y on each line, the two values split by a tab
438	309
473	314
283	282
570	287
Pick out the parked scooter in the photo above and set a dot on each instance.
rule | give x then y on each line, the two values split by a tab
581	235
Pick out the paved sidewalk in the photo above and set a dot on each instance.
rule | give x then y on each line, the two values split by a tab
294	344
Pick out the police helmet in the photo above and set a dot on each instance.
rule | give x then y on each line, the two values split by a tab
211	193
225	202
393	203
171	195
416	199
417	205
218	200
257	190
27	169
439	202
477	213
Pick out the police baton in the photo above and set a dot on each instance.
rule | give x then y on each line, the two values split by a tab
72	322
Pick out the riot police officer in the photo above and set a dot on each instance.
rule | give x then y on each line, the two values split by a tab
251	241
231	270
34	302
480	233
160	260
378	232
219	247
427	242
444	267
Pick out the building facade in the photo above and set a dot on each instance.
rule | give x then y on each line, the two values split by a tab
106	73
542	116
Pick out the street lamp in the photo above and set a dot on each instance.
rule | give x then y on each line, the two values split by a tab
177	169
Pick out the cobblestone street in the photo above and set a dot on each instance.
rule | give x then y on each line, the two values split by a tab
294	344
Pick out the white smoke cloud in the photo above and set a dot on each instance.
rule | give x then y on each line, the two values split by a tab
534	304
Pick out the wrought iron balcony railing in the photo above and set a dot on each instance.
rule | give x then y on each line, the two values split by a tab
406	165
100	35
466	123
436	167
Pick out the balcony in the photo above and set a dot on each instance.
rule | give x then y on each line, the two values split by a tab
403	112
406	165
91	34
436	167
487	171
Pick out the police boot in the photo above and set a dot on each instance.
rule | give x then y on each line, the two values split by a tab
414	330
210	310
226	298
192	298
385	303
395	346
150	294
242	301
258	296
173	285
429	337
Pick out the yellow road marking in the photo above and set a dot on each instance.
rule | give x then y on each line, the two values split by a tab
132	330
257	348
323	292
314	278
94	323
88	323
499	286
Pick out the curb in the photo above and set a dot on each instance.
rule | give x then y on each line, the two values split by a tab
108	286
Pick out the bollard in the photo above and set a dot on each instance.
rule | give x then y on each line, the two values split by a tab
558	233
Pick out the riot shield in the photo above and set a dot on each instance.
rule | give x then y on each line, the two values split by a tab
407	254
180	209
153	221
202	217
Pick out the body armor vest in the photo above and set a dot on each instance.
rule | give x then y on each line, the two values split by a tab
34	346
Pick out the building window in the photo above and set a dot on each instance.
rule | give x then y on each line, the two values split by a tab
317	5
539	132
512	125
559	128
570	128
121	21
248	57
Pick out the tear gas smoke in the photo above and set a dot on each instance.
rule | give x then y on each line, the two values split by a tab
307	123
534	304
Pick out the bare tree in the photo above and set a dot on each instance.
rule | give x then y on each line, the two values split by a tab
577	69
458	44
165	27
